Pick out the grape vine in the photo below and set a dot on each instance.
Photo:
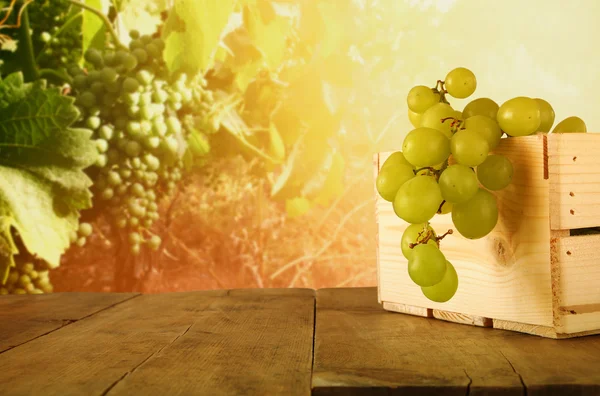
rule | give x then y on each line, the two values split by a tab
136	113
447	166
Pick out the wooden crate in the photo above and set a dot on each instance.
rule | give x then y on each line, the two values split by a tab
531	274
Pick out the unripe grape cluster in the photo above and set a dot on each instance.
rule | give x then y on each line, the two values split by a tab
57	37
140	118
447	166
28	277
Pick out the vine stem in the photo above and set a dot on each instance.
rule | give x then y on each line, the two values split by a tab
55	73
104	19
30	71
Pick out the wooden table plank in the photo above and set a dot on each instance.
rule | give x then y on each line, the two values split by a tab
197	343
25	317
360	348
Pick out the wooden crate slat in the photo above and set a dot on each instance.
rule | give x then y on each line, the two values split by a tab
504	276
580	270
25	317
574	174
216	342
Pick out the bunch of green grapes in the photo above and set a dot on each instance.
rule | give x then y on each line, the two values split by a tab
446	166
135	109
57	38
28	277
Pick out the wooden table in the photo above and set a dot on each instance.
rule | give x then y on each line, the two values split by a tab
265	342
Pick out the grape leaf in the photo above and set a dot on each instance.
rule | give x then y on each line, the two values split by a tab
42	183
93	28
269	34
193	32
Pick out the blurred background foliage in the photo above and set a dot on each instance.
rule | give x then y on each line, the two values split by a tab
308	91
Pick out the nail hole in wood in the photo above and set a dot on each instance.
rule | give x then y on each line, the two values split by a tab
572	212
572	194
568	252
574	159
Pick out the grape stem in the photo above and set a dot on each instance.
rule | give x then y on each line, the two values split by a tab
429	168
449	232
441	205
55	73
104	19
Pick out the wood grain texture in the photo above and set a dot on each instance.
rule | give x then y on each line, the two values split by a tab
250	342
408	309
363	349
24	317
505	275
574	175
457	317
366	350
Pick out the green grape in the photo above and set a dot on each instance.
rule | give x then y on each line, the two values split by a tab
396	158
133	148
140	54
134	34
106	132
85	229
80	82
130	62
87	99
425	147
135	238
570	125
108	75
445	289
482	106
154	242
107	193
495	173
414	118
458	183
519	116
416	233
138	190
97	88
546	114
477	217
130	85
101	145
418	199
469	148
81	242
153	50
460	83
420	98
113	178
391	178
160	96
144	77
486	127
173	125
135	249
93	123
427	265
152	142
94	57
153	163
432	118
